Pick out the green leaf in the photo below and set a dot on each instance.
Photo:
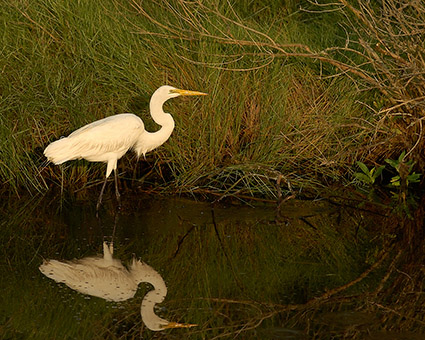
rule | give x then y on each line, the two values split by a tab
392	162
395	181
363	167
411	164
379	171
362	177
414	178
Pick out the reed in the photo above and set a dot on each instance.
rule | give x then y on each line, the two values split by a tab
268	115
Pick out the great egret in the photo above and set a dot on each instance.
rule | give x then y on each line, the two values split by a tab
107	278
108	139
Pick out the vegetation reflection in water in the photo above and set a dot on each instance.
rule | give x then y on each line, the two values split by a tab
233	270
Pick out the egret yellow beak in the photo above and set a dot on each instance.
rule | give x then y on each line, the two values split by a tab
188	93
179	325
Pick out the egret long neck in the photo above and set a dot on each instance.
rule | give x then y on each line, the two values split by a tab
161	118
158	115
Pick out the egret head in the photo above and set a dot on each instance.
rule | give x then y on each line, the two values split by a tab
155	323
168	92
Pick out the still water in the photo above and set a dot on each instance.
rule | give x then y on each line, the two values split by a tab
236	271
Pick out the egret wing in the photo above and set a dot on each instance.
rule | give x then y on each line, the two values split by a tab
114	134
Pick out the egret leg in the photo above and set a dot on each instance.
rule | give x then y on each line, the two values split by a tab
99	201
117	193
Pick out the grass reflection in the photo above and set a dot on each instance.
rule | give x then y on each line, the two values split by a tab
233	270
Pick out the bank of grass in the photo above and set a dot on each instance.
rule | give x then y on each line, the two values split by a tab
267	116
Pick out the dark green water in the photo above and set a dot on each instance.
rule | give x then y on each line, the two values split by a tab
236	271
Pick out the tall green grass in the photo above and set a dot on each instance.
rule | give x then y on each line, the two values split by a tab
65	64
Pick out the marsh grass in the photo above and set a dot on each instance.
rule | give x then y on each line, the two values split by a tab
67	64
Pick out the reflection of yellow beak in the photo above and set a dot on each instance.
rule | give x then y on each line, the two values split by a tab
188	93
179	325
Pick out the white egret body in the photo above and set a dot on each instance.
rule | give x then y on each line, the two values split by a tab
107	278
108	139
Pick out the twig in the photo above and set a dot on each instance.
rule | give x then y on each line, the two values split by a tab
337	290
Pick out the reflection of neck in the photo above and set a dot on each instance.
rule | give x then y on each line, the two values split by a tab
145	273
150	319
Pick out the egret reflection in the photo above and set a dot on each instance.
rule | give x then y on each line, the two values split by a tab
109	279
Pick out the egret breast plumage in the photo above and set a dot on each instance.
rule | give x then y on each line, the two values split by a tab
108	139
